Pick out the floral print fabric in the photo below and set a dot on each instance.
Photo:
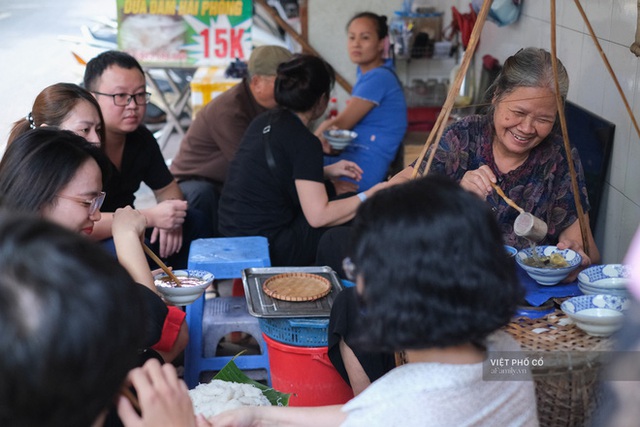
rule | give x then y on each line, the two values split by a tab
541	185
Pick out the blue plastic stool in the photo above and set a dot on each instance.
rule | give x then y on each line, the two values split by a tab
225	257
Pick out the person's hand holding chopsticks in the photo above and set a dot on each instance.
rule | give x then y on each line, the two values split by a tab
128	230
479	181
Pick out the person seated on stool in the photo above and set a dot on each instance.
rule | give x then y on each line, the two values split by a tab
377	110
211	142
276	182
118	82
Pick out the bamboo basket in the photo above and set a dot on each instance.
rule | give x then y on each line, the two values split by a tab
566	386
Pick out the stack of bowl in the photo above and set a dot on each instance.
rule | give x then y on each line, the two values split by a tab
607	279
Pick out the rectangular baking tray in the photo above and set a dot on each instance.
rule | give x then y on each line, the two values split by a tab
262	305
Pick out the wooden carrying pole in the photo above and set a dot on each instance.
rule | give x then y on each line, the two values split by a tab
582	219
298	38
606	63
443	117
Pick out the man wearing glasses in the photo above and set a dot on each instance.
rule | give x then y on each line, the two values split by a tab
118	82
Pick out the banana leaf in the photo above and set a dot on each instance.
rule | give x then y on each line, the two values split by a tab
230	372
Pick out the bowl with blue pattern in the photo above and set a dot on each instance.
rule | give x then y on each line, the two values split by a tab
598	315
511	251
549	274
612	279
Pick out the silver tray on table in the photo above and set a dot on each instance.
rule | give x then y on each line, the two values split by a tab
262	305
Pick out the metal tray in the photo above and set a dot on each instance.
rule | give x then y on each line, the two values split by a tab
262	305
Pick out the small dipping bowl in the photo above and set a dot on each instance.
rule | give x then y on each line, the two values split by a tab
194	283
511	251
549	276
597	315
339	139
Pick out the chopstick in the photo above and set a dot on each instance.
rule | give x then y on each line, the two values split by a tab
506	199
162	265
126	392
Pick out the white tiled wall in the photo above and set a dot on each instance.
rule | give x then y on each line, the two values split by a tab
613	22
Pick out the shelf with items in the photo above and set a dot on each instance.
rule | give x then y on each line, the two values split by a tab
417	36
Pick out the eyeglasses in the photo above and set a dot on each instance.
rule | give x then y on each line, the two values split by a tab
123	99
93	204
349	269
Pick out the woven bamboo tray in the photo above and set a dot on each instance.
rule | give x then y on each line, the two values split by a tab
567	385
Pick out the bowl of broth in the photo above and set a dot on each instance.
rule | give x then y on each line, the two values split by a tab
548	265
193	284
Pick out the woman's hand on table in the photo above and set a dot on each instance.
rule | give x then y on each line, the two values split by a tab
343	168
479	181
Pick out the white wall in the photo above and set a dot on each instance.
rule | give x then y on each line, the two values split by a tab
614	23
328	31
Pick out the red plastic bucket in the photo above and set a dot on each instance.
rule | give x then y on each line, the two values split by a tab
306	373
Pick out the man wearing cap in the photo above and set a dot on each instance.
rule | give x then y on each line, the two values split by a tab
202	161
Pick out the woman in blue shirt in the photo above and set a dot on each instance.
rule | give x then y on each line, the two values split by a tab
377	111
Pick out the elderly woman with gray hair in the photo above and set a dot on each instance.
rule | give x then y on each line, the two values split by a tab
515	145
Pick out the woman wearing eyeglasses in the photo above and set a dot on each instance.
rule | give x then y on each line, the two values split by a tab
59	175
118	83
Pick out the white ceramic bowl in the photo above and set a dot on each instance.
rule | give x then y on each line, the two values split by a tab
549	276
597	315
605	277
339	139
590	290
187	293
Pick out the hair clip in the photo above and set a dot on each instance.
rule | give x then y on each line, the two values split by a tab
29	117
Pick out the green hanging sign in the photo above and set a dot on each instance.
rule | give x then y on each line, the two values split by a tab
185	33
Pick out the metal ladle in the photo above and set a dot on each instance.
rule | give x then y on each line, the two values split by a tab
526	225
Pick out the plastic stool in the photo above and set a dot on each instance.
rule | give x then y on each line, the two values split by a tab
223	316
225	257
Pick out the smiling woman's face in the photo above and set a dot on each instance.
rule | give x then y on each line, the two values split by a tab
86	184
523	119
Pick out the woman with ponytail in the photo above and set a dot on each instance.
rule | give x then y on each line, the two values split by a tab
275	186
66	106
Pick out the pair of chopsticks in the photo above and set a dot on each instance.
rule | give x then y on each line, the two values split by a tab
505	198
161	264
